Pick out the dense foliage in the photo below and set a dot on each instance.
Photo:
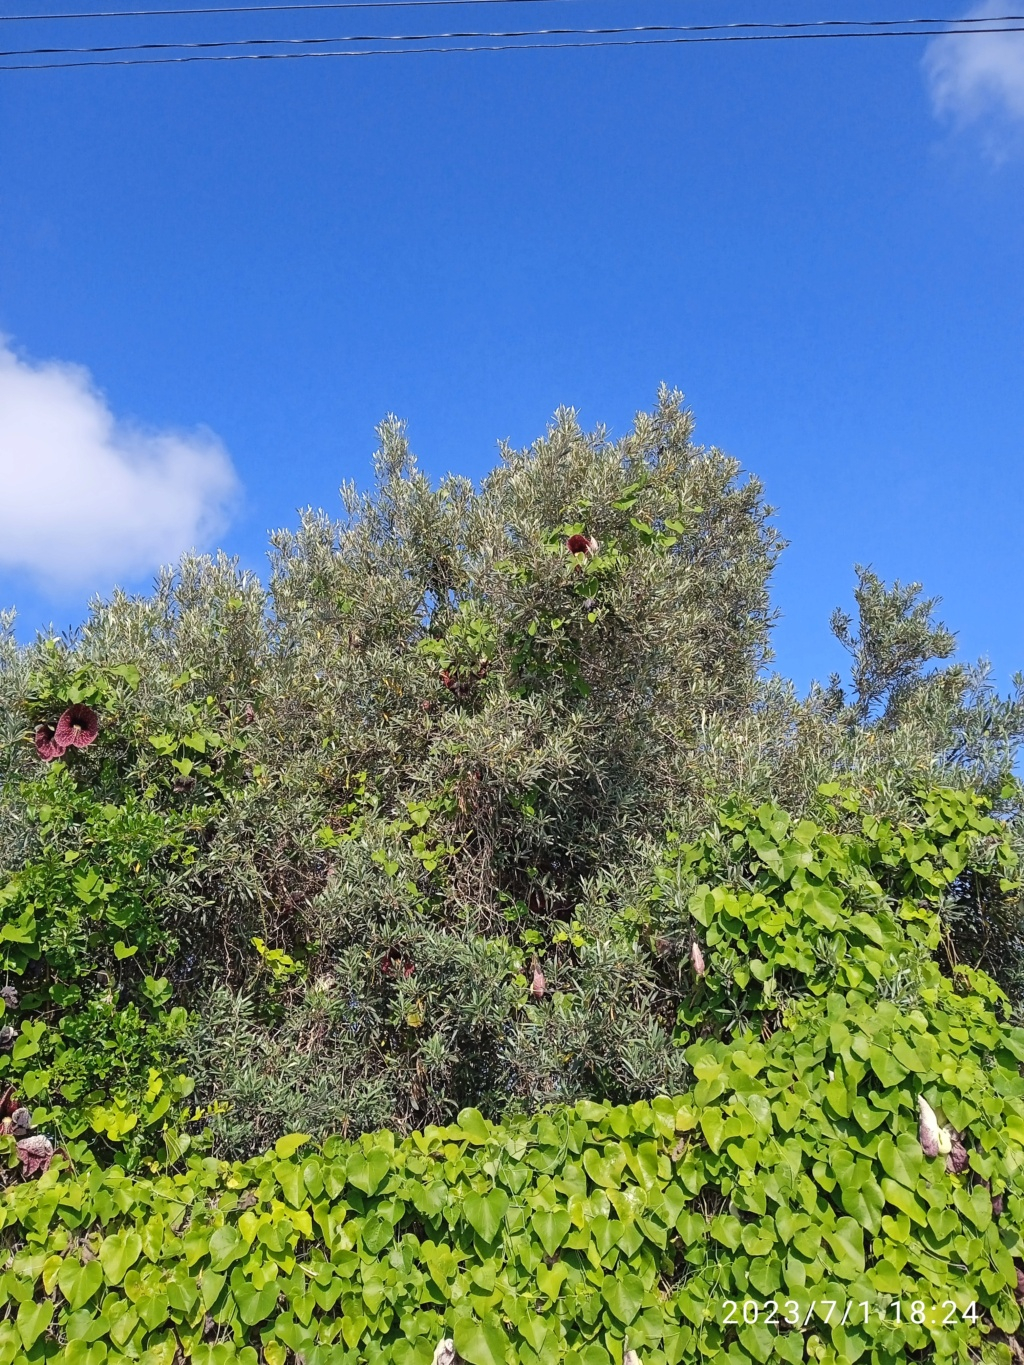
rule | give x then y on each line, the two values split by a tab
377	842
786	1206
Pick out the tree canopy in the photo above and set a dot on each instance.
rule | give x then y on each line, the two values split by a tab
370	843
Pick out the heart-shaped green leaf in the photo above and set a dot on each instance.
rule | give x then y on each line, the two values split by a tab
486	1212
153	1310
867	1115
118	1254
550	1280
122	1327
288	1145
885	1277
431	1198
226	1245
604	1171
352	1329
862	1199
293	1185
712	1123
901	1160
367	1172
377	1232
901	1198
78	1283
757	1241
624	1297
474	1125
691	1227
480	1343
551	1227
256	1304
789	1223
886	1067
943	1222
299	1339
33	1320
304	1306
847	1242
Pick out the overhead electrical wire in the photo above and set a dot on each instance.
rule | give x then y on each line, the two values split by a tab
257	9
609	36
508	47
297	6
765	28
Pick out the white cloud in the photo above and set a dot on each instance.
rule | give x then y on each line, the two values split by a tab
86	499
978	78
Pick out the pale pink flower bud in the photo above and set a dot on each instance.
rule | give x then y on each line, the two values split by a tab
928	1131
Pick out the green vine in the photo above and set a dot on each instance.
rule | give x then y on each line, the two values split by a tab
790	1206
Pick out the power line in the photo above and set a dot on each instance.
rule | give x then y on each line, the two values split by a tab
511	47
258	9
793	27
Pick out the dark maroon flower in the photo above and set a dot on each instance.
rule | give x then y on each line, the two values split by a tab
47	746
581	545
997	1205
459	687
956	1161
77	727
35	1155
1020	1285
394	963
9	995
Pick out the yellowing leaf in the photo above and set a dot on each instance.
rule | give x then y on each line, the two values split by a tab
32	1321
287	1146
118	1253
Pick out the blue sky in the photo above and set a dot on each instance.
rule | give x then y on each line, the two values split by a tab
820	243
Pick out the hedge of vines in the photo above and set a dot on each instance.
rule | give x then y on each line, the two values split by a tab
787	1208
90	1035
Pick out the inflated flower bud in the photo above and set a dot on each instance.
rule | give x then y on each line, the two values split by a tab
35	1155
538	985
956	1161
929	1128
697	958
21	1121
